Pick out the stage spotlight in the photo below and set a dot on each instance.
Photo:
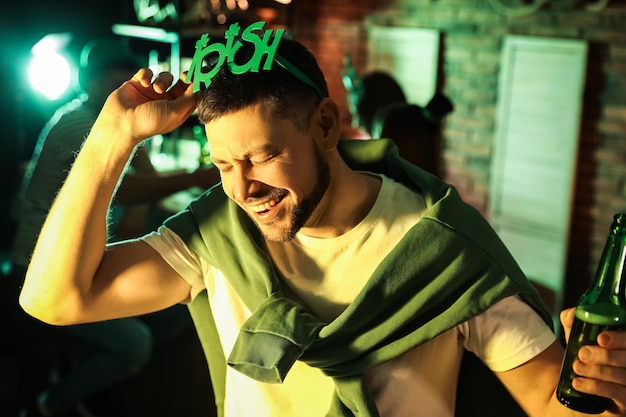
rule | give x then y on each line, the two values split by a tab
49	71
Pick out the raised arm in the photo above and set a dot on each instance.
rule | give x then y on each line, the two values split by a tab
72	277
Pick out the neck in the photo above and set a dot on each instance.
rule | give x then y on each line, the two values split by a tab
349	198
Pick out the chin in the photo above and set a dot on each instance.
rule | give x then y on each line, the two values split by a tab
277	234
278	229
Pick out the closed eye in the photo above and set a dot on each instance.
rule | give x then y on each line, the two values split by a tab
222	167
261	156
264	161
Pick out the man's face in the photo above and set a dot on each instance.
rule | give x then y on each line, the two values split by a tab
270	169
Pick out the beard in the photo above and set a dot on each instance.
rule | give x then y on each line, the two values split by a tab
303	211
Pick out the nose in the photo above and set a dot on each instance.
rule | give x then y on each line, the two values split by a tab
243	184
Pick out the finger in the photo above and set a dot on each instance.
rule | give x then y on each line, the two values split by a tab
612	339
184	78
143	76
162	82
597	355
567	319
180	88
608	368
607	374
182	100
614	391
602	373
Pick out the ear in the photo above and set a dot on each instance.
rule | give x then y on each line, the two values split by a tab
328	122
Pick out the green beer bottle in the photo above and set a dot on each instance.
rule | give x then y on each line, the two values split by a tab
602	307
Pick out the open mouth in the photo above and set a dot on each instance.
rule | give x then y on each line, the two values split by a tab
266	207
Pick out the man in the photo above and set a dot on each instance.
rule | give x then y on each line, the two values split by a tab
117	349
333	291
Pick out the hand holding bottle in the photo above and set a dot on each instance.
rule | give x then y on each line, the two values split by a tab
594	367
601	369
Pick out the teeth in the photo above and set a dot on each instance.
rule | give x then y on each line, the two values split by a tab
262	207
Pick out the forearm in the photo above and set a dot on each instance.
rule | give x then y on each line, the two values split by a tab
72	241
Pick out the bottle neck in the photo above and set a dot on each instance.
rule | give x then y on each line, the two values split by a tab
609	283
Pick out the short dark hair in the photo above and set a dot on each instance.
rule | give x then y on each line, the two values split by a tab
287	96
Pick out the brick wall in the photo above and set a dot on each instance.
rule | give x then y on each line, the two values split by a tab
472	38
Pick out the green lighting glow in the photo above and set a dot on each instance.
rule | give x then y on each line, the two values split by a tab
49	71
50	74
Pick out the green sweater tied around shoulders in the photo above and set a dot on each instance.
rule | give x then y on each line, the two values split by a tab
448	268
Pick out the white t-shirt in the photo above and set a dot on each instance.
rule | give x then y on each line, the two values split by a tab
327	274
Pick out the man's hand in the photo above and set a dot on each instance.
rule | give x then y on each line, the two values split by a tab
145	105
602	368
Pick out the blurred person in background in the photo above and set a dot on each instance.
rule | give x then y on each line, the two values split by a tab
380	108
111	351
